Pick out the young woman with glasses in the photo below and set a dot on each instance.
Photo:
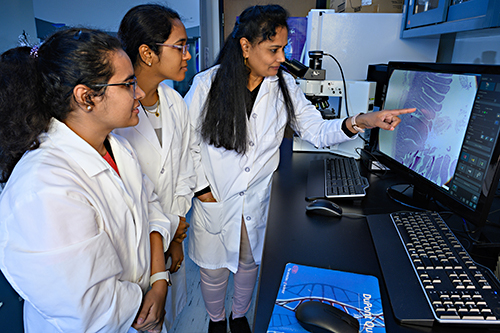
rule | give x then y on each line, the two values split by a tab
156	41
82	231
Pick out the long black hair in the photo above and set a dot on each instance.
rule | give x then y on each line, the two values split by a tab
224	114
146	24
37	84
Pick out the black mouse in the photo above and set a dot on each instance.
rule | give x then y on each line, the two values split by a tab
319	317
324	207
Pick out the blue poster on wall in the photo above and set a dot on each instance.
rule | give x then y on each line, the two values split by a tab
296	37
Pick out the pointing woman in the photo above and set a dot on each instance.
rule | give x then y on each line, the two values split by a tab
239	110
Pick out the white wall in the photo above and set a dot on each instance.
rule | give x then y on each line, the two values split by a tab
477	47
106	14
19	15
16	16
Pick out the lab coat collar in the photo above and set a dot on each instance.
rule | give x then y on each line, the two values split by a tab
146	129
79	150
168	129
271	78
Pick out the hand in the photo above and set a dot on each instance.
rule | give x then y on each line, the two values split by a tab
207	197
181	232
385	119
175	251
152	312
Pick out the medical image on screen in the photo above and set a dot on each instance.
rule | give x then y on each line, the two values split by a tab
429	140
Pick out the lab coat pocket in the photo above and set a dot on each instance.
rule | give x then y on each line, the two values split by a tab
209	215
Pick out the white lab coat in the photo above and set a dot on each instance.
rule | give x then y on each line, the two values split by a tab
242	183
170	168
74	236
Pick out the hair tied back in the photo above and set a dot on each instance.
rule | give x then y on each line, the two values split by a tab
34	52
236	25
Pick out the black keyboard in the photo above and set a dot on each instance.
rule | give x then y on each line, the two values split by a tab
458	291
342	178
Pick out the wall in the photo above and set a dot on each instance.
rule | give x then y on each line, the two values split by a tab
233	8
477	47
17	16
106	15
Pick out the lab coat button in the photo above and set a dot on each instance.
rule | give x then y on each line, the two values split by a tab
248	218
251	144
254	115
242	194
247	169
162	171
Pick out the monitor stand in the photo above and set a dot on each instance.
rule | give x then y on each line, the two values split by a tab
409	195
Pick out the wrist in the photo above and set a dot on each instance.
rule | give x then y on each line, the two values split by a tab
207	197
355	125
350	133
163	277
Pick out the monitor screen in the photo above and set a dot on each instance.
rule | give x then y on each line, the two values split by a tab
448	146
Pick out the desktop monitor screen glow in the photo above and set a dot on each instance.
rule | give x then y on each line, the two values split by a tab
448	147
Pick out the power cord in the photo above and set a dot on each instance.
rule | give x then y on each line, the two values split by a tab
343	81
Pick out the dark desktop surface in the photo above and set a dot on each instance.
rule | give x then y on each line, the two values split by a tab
344	243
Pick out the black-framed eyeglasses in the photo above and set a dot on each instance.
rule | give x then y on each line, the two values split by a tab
182	48
129	84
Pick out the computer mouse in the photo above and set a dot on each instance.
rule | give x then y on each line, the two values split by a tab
319	317
324	207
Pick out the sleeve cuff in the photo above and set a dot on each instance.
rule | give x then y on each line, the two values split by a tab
163	232
346	130
203	191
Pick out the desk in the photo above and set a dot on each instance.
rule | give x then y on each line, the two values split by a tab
342	244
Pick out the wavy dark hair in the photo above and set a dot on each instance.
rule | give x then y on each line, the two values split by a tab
224	114
36	86
145	24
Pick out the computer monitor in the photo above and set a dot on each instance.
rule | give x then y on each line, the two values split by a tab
448	149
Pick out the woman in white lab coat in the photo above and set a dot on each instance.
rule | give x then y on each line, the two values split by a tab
239	110
155	39
82	233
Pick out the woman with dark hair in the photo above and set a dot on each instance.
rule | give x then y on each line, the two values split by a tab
155	39
239	110
82	233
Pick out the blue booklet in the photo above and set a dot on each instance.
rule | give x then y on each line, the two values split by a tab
356	294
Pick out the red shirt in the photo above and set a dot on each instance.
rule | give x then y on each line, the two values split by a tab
111	162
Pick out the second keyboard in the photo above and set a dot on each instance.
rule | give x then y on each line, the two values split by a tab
342	178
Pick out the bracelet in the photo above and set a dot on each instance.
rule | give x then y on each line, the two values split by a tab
160	276
354	125
346	130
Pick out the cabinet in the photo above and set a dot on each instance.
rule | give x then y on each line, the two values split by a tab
435	17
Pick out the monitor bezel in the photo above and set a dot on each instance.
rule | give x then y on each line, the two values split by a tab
477	217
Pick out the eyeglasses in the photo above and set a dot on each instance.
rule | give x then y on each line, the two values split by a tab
182	48
132	84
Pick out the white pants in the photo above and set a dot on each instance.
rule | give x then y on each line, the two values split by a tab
214	283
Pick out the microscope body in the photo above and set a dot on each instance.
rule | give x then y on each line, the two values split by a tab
354	97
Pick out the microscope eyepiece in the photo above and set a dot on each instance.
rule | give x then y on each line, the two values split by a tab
295	67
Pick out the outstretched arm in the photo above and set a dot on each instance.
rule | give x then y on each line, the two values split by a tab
385	119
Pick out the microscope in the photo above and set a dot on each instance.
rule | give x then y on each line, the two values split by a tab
348	98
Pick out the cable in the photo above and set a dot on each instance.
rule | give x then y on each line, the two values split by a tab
345	91
353	215
343	82
382	175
